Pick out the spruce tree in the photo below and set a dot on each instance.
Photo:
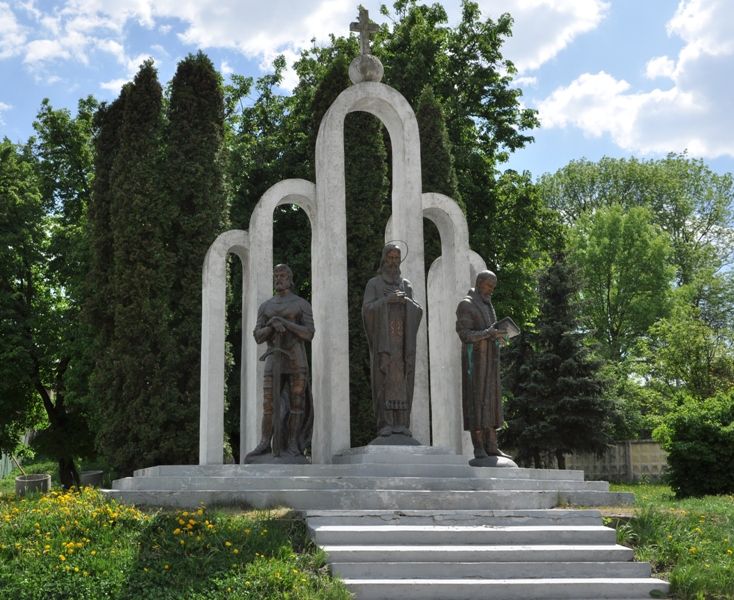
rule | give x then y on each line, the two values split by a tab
559	405
195	193
137	408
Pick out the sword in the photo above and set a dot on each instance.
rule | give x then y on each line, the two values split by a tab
277	354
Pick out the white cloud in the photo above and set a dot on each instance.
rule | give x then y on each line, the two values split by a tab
543	28
660	66
225	68
114	85
3	108
12	34
694	113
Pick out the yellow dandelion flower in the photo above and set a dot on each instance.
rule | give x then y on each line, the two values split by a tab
185	513
235	551
228	543
181	522
166	567
93	552
76	569
176	531
62	558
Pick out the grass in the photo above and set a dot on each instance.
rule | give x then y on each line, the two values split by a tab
689	542
79	545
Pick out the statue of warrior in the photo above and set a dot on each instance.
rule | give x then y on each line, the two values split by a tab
285	322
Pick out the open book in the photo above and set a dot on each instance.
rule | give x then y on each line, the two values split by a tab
507	327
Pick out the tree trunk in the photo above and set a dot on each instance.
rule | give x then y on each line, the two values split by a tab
68	474
561	459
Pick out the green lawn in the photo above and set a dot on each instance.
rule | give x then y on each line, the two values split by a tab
80	545
688	542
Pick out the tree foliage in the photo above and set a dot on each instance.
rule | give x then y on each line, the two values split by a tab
196	199
699	439
557	405
623	261
690	202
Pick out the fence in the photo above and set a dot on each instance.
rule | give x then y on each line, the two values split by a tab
625	461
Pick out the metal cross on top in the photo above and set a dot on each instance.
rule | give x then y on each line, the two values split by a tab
365	28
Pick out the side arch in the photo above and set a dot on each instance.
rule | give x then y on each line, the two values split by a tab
213	316
259	288
449	277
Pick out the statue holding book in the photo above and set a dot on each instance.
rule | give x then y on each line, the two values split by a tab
481	336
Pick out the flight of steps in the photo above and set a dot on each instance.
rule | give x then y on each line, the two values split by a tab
419	522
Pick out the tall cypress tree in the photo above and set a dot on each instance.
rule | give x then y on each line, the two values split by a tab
137	405
559	405
195	189
437	164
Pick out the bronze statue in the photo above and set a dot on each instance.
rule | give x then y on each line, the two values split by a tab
285	322
476	324
391	318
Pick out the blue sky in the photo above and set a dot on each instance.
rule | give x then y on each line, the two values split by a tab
617	77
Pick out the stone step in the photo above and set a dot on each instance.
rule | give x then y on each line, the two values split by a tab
551	516
442	535
371	499
483	570
505	589
170	482
475	553
384	469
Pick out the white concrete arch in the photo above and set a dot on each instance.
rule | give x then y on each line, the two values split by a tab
331	377
289	191
213	316
449	277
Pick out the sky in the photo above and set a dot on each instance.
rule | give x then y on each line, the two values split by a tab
613	78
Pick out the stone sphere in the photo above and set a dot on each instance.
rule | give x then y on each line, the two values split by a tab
366	67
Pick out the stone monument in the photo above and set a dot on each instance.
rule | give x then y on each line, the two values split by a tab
481	394
435	414
391	317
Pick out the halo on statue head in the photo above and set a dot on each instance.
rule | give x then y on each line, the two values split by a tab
400	244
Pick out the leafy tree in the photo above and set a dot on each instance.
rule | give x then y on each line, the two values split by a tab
623	261
195	187
559	405
21	234
63	153
699	439
686	199
683	355
43	284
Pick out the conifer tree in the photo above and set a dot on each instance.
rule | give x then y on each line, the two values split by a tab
137	407
559	405
195	193
437	164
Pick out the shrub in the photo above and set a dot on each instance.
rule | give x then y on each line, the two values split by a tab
699	439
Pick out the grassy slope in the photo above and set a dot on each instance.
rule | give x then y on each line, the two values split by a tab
689	542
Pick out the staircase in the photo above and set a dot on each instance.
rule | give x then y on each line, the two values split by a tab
419	522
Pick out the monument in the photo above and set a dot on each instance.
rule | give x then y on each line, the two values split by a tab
416	409
285	323
391	317
481	394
